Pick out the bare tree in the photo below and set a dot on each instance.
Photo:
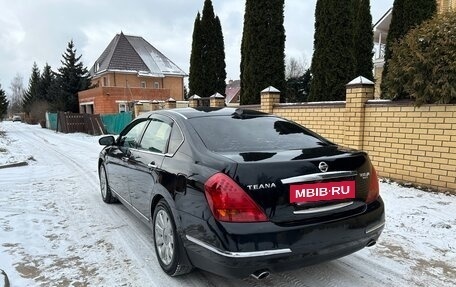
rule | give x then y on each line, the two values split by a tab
295	68
17	93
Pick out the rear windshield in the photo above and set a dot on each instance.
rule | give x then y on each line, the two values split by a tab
236	134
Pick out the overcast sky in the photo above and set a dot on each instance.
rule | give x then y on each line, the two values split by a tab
39	30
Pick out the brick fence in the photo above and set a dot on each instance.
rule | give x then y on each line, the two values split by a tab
406	143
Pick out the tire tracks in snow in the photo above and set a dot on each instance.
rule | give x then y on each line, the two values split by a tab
112	235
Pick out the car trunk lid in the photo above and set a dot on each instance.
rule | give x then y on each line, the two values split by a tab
311	185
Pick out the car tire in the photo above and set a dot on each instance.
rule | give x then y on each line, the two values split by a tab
168	247
106	193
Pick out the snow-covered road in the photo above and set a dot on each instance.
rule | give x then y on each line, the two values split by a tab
56	231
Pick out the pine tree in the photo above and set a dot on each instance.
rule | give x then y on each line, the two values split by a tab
406	15
298	88
262	49
72	77
3	103
333	58
32	93
363	40
47	77
207	61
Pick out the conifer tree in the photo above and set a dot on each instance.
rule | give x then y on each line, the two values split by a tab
220	66
262	49
196	63
406	15
32	93
423	66
47	77
333	58
363	40
72	77
207	61
3	103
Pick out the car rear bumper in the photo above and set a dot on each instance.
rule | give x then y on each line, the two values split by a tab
267	246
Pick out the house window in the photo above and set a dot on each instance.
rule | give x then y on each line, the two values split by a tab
143	84
97	67
105	81
123	107
86	108
157	85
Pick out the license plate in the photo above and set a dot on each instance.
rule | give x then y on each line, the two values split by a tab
323	191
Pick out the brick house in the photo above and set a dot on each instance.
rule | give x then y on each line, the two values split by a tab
232	92
446	6
130	70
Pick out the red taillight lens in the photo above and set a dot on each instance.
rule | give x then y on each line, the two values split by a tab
228	201
374	189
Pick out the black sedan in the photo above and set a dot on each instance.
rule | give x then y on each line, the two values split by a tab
238	192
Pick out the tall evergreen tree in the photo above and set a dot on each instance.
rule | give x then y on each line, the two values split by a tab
72	77
207	61
333	58
262	49
3	103
33	92
47	77
363	40
406	15
195	81
219	62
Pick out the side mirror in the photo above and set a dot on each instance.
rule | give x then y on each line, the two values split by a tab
106	140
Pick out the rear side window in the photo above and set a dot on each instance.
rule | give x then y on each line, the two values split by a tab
236	134
175	140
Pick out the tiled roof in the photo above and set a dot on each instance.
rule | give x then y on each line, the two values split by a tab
134	54
232	89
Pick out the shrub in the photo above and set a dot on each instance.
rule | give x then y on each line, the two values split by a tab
423	65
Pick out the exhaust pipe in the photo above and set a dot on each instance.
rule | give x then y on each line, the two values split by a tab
371	243
260	274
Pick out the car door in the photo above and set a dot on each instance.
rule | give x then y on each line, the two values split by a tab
118	164
147	160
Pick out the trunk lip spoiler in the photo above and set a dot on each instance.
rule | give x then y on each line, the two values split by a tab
319	176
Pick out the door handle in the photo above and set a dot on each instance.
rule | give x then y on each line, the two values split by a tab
125	159
152	165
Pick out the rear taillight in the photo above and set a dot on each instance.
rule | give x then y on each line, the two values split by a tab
374	189
229	202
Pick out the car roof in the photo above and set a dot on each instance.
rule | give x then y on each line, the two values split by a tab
198	112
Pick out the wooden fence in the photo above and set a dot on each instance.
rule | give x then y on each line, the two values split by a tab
82	123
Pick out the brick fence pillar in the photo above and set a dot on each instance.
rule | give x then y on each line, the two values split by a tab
138	108
358	92
217	101
193	101
269	97
170	104
154	105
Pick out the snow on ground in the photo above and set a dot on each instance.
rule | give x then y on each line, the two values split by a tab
56	231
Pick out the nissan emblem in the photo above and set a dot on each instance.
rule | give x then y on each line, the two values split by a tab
323	166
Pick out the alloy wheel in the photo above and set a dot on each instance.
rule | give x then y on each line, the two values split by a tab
164	237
